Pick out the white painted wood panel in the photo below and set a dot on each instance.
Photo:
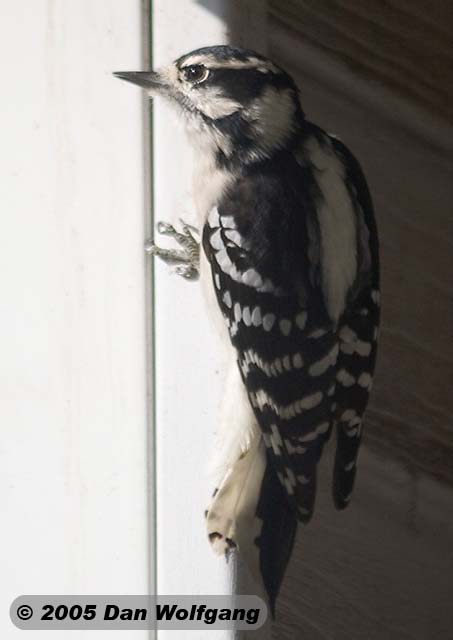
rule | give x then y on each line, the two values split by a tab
73	453
188	362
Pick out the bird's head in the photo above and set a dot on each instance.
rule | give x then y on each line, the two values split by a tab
234	102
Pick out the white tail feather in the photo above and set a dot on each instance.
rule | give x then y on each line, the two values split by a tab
231	518
238	426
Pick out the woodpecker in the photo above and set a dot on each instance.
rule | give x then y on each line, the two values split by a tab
289	261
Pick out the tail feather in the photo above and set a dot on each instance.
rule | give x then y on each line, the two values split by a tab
278	532
345	465
250	511
231	517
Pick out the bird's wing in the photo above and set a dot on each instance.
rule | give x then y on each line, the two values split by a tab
264	269
294	259
358	334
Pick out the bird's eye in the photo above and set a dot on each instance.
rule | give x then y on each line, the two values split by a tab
196	73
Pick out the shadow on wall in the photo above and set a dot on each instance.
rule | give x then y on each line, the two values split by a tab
237	15
384	567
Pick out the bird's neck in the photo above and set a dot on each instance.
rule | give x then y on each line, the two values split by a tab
242	151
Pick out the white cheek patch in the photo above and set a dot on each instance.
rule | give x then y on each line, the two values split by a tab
212	102
209	101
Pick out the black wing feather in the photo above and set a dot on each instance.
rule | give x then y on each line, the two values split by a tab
358	342
257	243
303	372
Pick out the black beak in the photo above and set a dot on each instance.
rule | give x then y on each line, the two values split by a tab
145	79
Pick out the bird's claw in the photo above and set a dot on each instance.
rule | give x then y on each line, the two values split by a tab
187	258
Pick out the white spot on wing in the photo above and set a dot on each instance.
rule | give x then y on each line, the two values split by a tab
298	361
311	401
317	333
345	378
317	431
348	415
301	319
216	241
291	449
228	222
286	482
246	316
234	236
347	334
321	366
214	218
285	326
365	380
359	346
256	316
268	321
223	260
233	329
276	435
252	278
376	297
261	398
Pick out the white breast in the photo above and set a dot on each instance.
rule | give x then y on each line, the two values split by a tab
209	184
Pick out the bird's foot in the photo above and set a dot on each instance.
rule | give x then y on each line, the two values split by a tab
187	258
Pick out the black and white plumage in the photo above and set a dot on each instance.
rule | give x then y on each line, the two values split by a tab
291	256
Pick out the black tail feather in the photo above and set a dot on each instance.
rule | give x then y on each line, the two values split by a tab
278	533
345	468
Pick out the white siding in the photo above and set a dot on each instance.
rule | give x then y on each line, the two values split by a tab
73	458
188	363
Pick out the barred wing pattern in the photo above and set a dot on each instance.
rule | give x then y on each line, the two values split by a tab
287	360
358	336
304	372
358	345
